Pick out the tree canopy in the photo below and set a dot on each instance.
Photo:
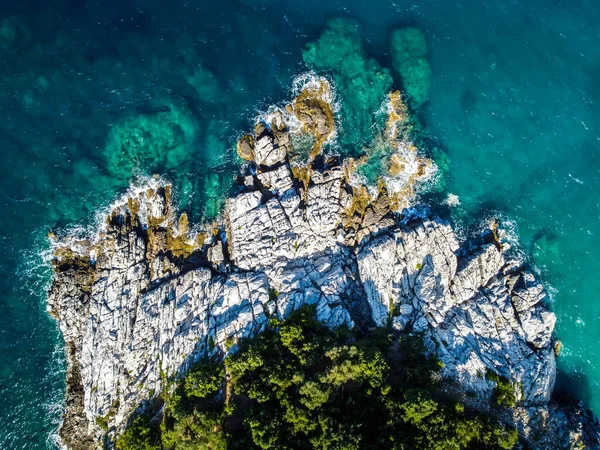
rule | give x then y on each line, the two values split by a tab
300	385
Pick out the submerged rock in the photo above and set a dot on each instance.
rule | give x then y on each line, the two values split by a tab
150	142
148	296
409	58
360	80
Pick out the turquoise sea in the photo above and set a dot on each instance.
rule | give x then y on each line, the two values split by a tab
92	92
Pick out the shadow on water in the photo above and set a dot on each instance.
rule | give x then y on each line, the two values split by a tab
572	387
542	237
468	101
488	208
435	202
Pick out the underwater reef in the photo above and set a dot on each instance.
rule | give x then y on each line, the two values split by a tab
359	80
149	295
409	59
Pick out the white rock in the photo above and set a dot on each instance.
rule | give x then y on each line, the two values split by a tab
267	153
131	321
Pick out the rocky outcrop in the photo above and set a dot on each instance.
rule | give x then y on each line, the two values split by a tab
464	302
146	297
313	108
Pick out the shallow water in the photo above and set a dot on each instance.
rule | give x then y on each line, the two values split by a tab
513	102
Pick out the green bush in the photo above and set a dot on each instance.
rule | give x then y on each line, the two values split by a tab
304	386
200	430
418	406
273	294
139	435
204	379
102	422
504	393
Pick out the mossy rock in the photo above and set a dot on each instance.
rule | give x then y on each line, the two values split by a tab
245	147
315	113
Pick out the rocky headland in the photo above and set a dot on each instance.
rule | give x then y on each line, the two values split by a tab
148	294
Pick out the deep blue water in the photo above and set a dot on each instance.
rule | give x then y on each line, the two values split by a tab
513	103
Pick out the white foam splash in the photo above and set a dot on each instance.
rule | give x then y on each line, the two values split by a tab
35	272
576	180
313	81
413	163
452	200
77	238
510	238
55	407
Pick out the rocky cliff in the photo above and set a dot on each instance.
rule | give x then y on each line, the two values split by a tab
147	296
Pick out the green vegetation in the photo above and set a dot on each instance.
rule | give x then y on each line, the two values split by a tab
273	294
504	392
194	431
229	342
139	435
204	379
102	422
300	385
